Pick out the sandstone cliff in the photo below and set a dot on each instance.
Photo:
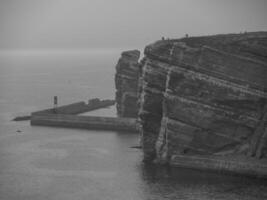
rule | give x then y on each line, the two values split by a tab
126	82
203	96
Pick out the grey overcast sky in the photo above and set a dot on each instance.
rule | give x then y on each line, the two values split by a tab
121	23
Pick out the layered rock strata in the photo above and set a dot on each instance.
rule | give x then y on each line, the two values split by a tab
205	96
126	82
202	97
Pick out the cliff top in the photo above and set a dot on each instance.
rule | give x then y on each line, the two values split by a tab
239	58
249	44
132	54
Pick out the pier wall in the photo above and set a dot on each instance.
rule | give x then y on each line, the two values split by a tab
85	122
231	165
78	107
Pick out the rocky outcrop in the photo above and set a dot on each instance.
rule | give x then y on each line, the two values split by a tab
205	98
126	82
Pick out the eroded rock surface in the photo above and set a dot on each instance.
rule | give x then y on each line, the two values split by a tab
126	82
202	96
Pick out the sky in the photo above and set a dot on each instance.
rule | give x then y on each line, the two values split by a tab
31	24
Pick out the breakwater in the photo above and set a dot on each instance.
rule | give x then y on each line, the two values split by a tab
85	122
78	107
71	109
66	116
240	165
22	118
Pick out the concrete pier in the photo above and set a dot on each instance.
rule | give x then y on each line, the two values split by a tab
78	107
71	109
239	165
85	122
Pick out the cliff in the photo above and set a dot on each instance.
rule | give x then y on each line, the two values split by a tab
126	82
205	97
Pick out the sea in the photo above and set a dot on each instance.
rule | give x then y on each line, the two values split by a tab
43	163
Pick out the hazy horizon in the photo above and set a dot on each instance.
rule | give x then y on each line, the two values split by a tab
82	24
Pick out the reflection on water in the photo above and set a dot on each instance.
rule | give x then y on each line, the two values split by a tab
57	163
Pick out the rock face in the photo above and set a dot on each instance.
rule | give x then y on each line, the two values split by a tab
126	82
204	96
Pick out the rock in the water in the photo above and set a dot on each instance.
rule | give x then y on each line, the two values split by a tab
200	96
126	81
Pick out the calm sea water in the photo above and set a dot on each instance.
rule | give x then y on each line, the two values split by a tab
57	163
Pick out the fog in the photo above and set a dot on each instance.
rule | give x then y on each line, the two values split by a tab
31	24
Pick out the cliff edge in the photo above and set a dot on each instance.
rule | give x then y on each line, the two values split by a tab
204	97
126	82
